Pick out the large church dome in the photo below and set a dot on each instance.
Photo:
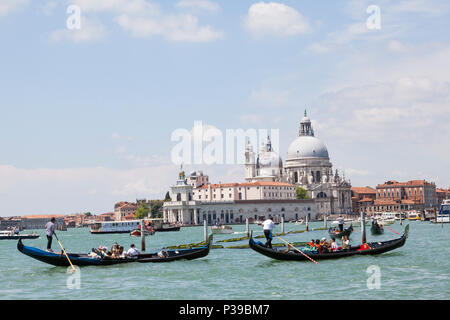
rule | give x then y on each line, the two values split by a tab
307	147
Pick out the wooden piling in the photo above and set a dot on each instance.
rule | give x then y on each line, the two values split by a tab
282	225
205	230
363	227
247	228
142	235
307	228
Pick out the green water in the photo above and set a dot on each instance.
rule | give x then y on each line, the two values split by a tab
418	270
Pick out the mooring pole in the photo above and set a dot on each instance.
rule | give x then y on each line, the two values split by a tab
363	227
205	230
401	218
307	228
142	235
282	225
324	221
247	228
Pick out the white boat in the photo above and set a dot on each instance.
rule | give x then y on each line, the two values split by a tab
14	235
222	229
114	226
301	221
444	212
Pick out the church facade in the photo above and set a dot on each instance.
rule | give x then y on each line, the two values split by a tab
307	165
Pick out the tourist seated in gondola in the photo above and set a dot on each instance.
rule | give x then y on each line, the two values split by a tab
163	254
333	245
115	250
345	243
132	252
122	254
318	246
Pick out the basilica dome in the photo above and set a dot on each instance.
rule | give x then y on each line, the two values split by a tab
307	147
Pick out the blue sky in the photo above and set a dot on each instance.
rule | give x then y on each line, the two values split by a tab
87	114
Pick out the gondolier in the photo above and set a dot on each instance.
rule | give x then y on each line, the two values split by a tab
267	227
341	223
50	231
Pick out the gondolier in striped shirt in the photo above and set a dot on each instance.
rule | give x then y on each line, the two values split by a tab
267	227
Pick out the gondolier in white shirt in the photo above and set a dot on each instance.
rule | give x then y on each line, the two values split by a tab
267	227
341	223
50	231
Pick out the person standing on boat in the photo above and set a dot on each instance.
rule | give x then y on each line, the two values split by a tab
268	227
50	231
341	223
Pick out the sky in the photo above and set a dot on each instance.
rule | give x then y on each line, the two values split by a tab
88	114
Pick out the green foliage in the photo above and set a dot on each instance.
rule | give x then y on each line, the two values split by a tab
142	211
167	198
302	193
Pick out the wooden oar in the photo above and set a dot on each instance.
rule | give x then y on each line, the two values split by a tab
64	250
392	230
298	250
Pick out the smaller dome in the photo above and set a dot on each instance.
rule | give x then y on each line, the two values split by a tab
269	163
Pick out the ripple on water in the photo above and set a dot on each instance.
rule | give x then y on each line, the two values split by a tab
415	271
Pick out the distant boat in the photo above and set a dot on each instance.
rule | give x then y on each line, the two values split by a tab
444	212
376	228
335	233
13	235
114	226
413	215
301	221
222	229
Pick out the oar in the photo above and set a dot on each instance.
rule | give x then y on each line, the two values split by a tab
392	230
64	250
298	250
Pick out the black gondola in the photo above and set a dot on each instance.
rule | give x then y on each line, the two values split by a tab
374	248
334	232
59	259
376	229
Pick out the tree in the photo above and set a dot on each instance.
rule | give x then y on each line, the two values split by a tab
155	210
302	193
142	211
88	214
167	198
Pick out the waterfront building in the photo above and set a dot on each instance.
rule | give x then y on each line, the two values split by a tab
123	209
363	199
39	221
233	202
307	165
442	194
403	196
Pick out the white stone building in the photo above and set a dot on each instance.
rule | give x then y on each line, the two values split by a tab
307	165
233	202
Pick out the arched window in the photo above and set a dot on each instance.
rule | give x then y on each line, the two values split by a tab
322	195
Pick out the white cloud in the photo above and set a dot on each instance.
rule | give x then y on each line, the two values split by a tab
69	190
183	28
274	19
9	6
91	30
198	4
145	19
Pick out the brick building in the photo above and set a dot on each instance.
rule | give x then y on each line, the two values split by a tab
403	196
363	199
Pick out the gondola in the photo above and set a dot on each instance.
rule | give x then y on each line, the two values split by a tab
346	232
80	259
374	248
376	229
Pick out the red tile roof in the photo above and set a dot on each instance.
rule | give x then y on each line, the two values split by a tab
364	190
